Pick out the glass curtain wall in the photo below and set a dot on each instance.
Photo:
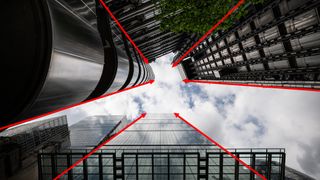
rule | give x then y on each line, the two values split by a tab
161	146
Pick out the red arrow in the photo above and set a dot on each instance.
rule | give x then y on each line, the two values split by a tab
124	31
99	147
208	33
186	80
221	147
249	85
151	81
71	106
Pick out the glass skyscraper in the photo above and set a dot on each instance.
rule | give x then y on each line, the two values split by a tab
161	146
92	130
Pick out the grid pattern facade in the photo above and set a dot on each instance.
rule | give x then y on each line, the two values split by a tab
276	44
92	130
161	146
32	137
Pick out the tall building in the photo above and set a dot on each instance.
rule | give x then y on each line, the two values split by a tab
93	130
277	44
19	146
161	146
290	173
58	53
139	20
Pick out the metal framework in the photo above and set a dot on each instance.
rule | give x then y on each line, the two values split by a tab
35	136
165	164
139	20
161	146
277	44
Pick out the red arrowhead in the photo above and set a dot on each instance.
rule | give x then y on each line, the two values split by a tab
146	60
176	114
186	80
174	65
151	81
143	115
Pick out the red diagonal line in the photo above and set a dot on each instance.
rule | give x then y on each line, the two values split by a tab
250	85
221	147
124	31
71	106
208	33
98	147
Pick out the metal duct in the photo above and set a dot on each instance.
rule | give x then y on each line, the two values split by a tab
58	54
54	58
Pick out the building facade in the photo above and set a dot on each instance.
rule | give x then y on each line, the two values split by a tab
161	146
19	146
139	20
93	130
277	44
292	174
69	52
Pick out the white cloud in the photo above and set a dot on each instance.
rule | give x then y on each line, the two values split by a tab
233	116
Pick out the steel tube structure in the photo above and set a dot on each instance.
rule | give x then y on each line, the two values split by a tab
59	53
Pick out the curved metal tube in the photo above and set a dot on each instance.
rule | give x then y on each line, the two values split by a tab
58	56
122	71
71	64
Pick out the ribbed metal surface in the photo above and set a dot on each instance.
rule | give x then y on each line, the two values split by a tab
68	53
76	62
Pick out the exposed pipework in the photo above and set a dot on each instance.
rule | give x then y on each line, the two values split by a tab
60	53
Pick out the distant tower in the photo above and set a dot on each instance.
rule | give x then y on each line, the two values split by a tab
292	174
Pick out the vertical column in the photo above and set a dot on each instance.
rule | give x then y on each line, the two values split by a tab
114	167
219	52
207	166
227	46
236	169
283	162
212	56
221	166
40	167
70	177
244	57
196	71
269	165
283	31
168	158
152	166
100	166
198	165
258	41
137	167
184	166
85	169
211	52
253	165
53	166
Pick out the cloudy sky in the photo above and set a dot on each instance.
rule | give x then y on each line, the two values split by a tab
233	116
